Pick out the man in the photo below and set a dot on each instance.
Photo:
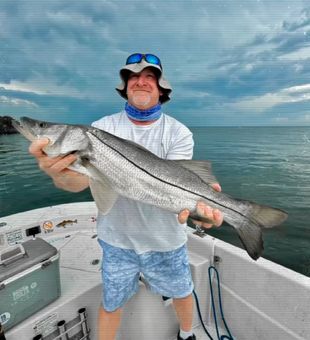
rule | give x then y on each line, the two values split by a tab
134	235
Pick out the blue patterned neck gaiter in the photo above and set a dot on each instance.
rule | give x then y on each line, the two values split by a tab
153	113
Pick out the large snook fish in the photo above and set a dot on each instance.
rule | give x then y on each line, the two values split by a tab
120	167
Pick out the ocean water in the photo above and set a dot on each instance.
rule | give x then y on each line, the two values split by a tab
269	165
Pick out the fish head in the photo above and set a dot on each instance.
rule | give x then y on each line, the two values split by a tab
63	139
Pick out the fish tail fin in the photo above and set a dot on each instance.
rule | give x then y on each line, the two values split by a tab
249	222
250	235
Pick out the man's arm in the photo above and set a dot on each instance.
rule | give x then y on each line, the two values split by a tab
57	168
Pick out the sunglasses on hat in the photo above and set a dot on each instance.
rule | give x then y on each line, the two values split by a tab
137	58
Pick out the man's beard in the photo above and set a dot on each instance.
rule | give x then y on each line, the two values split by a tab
141	98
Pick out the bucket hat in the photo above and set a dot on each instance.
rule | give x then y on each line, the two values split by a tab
164	85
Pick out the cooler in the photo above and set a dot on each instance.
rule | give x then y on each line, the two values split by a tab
29	280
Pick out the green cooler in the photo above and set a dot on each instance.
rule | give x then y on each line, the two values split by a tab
29	280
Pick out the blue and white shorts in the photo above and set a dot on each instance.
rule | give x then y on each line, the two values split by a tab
167	273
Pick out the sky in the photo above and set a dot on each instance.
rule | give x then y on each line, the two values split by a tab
230	62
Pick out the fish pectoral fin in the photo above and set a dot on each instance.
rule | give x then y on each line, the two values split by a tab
201	168
104	196
78	167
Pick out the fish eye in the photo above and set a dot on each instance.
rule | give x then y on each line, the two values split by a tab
42	125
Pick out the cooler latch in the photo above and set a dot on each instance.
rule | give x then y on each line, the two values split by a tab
46	264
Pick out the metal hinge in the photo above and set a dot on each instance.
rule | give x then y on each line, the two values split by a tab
46	264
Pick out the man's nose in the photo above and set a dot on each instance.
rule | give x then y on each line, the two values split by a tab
141	80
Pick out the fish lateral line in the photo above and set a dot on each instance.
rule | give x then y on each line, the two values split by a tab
162	180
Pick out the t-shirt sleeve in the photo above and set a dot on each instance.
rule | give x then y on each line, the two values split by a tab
106	123
100	124
181	145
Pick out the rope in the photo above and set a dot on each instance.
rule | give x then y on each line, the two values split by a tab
222	337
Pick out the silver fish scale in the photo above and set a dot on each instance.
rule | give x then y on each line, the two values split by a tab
165	170
140	175
132	181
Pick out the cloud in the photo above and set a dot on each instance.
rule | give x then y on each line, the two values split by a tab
40	87
65	56
16	102
301	54
300	120
19	86
267	101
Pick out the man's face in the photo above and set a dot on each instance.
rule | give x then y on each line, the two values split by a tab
142	89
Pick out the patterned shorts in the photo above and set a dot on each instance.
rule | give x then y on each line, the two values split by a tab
167	273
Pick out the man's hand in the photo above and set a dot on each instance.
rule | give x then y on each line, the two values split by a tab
57	168
51	166
214	215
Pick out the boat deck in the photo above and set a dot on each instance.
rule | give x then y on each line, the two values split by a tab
201	335
261	300
80	257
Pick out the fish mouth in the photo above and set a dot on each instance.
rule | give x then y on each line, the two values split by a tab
23	128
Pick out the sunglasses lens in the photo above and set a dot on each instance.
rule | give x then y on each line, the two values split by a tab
137	57
152	59
134	58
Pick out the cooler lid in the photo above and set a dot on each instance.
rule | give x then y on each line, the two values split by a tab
16	259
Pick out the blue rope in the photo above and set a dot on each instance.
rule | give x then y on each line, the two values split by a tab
200	317
220	303
223	337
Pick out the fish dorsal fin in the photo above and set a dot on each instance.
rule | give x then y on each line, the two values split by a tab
200	168
104	196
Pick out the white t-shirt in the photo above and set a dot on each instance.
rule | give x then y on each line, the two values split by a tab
135	225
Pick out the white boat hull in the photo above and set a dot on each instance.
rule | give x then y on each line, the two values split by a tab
261	300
